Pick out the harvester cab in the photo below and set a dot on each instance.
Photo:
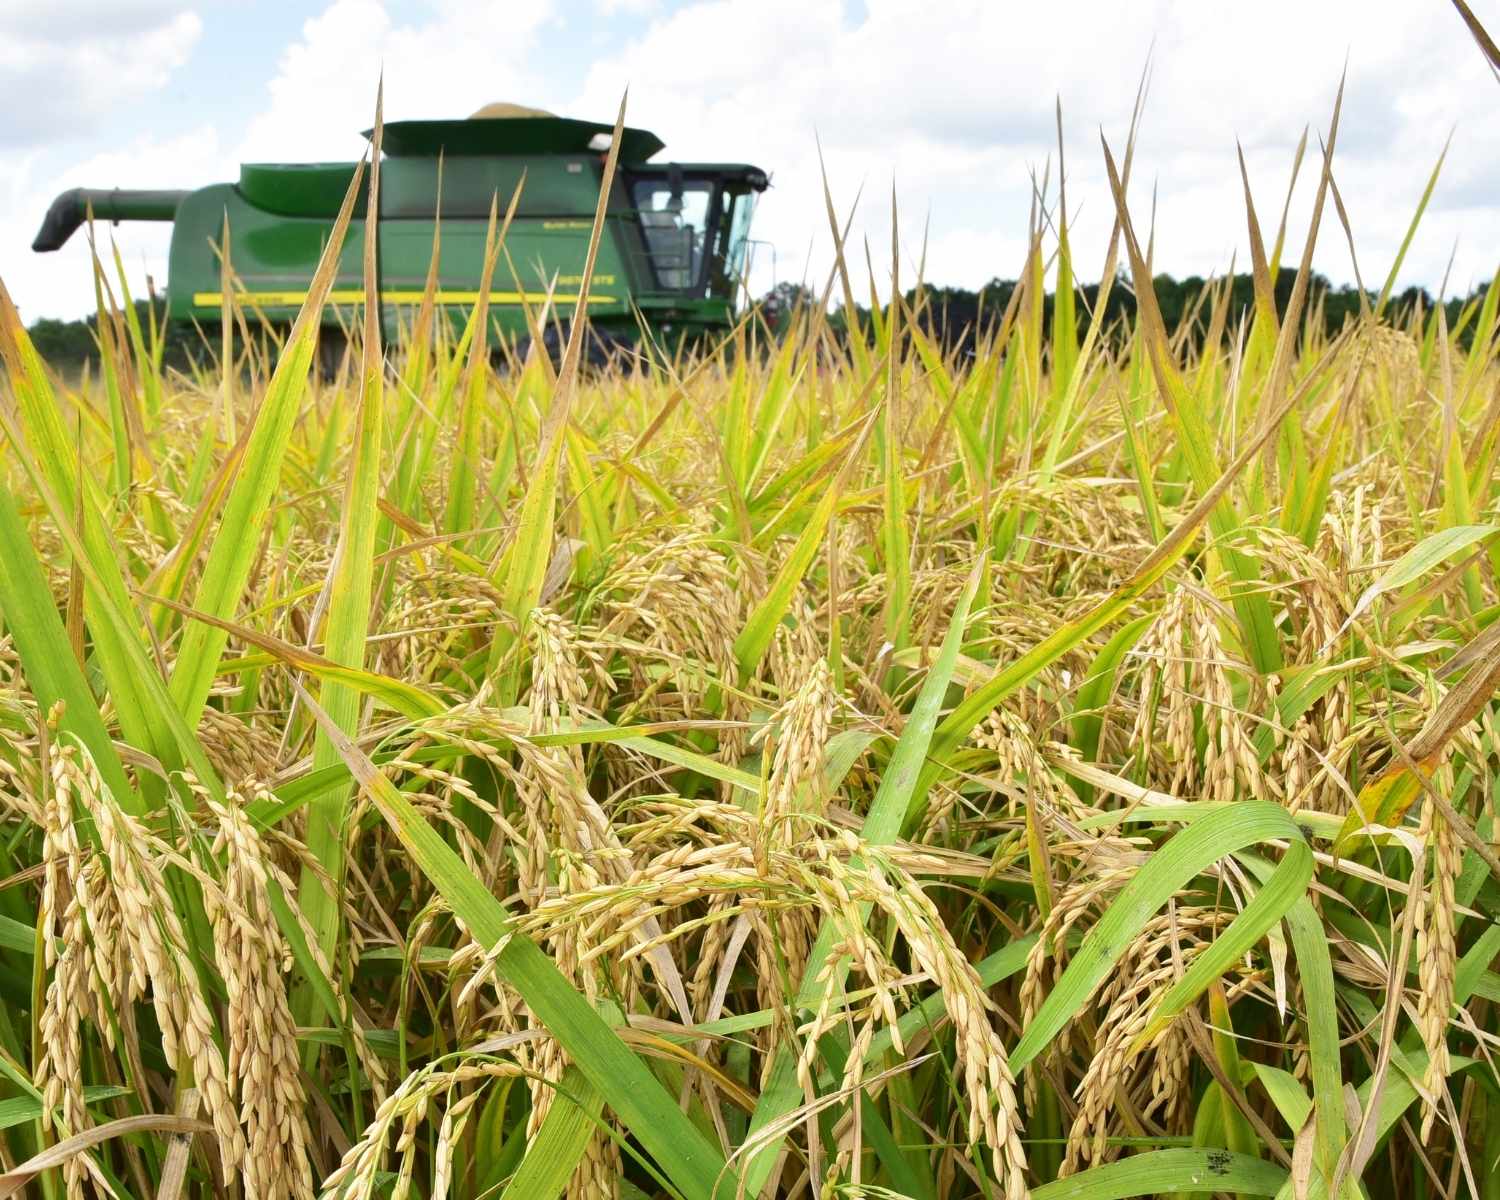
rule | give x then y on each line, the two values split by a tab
672	258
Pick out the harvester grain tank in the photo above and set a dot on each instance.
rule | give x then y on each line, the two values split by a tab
672	257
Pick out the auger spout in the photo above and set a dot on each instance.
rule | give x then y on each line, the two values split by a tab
71	209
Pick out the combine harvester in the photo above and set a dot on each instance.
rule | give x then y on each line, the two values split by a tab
672	258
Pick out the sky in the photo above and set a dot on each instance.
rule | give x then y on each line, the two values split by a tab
949	106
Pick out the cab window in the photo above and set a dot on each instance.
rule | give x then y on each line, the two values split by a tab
675	223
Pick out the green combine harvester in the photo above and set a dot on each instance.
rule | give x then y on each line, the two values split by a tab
672	259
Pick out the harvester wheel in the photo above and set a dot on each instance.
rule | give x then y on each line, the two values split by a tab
332	346
603	349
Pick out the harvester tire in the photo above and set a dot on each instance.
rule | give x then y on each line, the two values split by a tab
333	344
603	349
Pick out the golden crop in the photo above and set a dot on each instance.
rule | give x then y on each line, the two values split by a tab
817	767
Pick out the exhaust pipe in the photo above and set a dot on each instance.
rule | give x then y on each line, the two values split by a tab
71	209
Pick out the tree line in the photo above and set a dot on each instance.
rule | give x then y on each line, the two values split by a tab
68	345
953	317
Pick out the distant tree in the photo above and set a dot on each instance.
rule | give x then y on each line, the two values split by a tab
951	316
954	317
64	343
67	345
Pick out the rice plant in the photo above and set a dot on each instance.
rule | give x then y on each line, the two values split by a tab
816	766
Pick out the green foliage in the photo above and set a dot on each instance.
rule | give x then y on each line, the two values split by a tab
955	316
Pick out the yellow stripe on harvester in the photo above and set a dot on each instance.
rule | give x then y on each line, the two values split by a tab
357	296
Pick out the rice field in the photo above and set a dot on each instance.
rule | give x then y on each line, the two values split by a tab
814	767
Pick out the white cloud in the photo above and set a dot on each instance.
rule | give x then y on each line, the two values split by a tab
56	284
467	53
463	54
631	8
958	105
954	103
67	67
61	20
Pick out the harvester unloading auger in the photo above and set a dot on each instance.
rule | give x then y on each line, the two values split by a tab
674	249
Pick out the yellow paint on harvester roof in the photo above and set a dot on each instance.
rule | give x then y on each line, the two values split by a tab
357	296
